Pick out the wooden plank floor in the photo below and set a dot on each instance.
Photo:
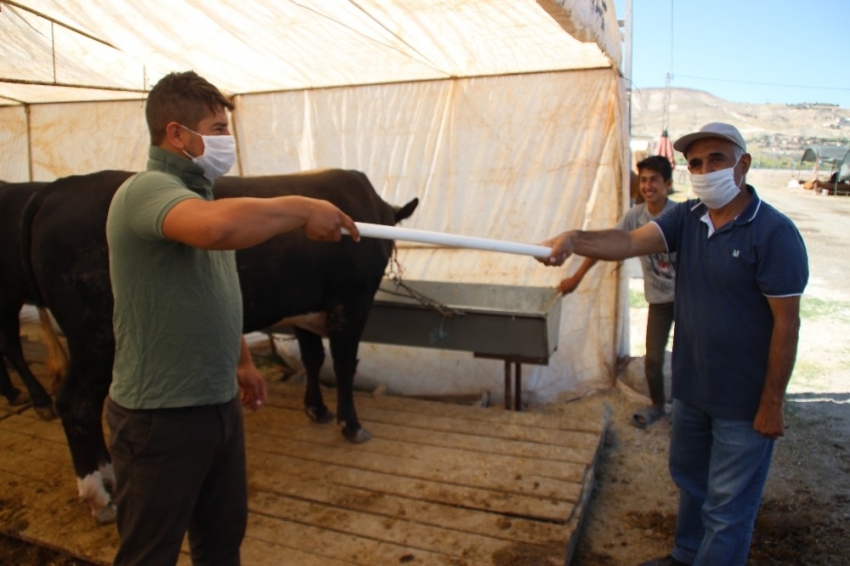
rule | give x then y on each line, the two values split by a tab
438	484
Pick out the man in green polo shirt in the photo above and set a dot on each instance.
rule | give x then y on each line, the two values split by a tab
174	409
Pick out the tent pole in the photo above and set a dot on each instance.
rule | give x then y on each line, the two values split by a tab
53	50
628	51
57	22
235	131
27	110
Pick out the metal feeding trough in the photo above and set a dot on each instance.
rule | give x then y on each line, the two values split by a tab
511	323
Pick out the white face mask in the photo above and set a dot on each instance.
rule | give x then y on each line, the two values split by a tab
218	157
716	189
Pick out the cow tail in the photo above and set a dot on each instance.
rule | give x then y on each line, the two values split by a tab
27	219
57	358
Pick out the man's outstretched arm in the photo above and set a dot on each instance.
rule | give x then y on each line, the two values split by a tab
612	245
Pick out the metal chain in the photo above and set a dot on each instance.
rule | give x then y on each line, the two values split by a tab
394	272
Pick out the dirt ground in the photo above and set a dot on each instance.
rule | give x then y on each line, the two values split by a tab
806	506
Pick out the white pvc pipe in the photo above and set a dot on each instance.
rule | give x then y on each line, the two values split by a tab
452	240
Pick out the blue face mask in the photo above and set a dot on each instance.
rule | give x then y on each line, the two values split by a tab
218	157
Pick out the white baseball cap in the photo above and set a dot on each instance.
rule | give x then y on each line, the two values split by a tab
713	130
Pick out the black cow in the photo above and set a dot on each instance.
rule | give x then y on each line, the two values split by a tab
286	276
14	292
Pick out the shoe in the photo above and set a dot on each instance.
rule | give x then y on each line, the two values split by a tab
646	416
666	561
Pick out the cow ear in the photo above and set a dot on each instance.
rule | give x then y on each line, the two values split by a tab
406	210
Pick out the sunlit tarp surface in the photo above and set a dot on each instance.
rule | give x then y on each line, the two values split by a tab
247	46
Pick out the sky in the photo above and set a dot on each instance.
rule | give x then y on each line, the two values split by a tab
757	51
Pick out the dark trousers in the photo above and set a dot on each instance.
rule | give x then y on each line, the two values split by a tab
179	470
658	325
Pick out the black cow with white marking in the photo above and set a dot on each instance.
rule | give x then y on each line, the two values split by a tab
286	276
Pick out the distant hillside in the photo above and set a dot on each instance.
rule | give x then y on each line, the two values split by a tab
773	132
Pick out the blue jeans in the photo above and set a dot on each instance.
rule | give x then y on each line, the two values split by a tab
720	467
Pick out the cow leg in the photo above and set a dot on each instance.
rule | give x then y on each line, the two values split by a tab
7	389
80	406
10	345
346	329
345	366
313	356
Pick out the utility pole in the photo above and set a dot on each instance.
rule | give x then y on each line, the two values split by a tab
626	24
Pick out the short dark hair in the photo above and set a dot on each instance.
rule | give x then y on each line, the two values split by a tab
181	97
659	164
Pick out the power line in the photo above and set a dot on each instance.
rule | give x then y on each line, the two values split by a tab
807	86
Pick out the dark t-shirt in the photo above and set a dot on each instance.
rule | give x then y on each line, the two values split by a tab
723	319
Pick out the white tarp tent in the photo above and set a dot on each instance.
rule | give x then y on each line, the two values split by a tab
506	118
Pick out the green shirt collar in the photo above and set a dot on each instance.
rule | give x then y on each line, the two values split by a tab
186	170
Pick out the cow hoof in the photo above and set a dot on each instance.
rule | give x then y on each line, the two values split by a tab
46	413
322	417
17	398
358	436
106	515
